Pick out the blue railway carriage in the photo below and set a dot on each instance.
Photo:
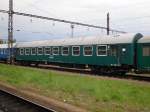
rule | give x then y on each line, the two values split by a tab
103	53
5	52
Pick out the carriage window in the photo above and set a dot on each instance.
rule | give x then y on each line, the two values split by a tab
76	50
1	51
65	50
40	51
55	51
102	50
146	51
21	51
33	51
27	51
113	51
88	50
4	51
47	50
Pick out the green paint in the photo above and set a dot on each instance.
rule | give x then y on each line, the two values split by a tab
121	58
143	62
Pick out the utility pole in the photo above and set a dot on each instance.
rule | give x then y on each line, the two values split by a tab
108	20
10	30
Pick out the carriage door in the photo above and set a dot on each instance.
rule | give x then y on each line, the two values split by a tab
123	58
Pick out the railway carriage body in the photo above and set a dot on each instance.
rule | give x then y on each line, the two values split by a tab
143	54
4	54
116	52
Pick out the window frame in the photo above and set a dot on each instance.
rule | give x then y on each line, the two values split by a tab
26	52
35	51
38	51
20	51
45	50
73	51
62	51
84	50
101	46
53	51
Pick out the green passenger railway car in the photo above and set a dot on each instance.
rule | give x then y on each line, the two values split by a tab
143	54
108	54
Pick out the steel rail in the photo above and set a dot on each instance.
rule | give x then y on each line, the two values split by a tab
28	101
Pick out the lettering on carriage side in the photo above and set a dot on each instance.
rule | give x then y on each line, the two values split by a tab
51	57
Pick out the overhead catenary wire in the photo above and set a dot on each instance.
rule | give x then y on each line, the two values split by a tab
60	20
40	9
124	6
66	21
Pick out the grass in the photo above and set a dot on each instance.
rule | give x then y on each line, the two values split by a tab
93	94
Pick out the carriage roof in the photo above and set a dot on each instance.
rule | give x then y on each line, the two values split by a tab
92	40
5	46
2	46
145	39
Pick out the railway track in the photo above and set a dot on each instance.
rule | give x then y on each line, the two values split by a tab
13	103
131	76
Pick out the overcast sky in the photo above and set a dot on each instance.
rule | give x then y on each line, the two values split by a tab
126	15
